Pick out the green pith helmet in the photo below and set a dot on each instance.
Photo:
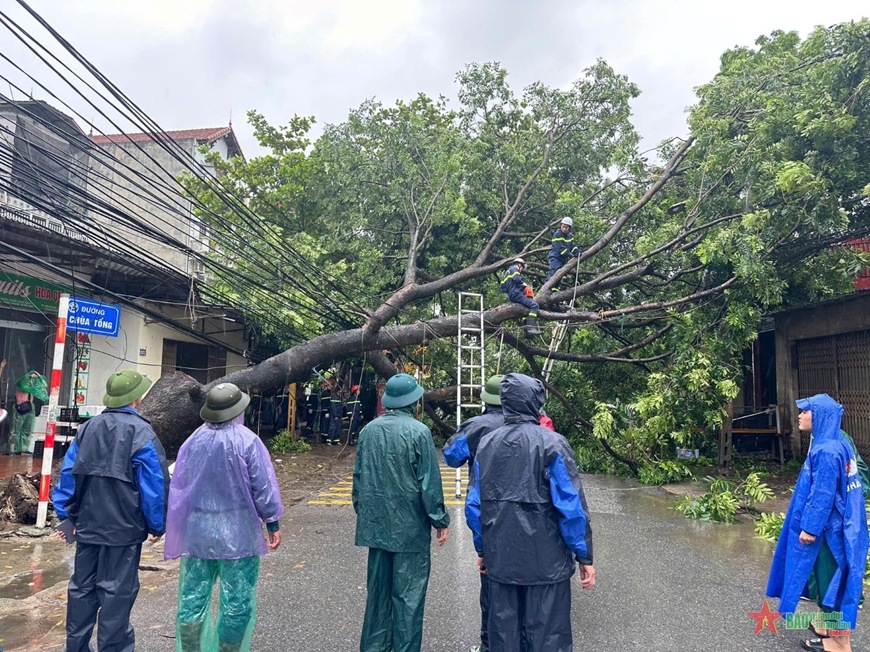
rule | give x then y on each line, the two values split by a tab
489	393
224	402
401	390
34	383
124	387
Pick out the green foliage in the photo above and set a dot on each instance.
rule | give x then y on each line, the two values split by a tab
398	195
769	525
664	472
284	443
723	499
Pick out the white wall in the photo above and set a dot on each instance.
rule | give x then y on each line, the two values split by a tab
139	346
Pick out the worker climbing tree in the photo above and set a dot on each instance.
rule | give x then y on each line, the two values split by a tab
521	292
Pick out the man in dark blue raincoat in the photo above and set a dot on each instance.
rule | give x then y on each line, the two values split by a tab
562	248
461	448
530	525
520	292
826	509
113	486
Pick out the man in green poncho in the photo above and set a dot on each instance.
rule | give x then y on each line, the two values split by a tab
31	385
398	499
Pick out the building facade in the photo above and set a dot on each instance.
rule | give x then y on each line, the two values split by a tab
59	233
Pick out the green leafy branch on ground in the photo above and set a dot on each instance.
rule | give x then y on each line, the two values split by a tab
724	499
284	443
769	526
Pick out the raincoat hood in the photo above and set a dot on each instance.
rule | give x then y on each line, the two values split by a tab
521	398
827	414
37	386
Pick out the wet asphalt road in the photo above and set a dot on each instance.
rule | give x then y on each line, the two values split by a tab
664	583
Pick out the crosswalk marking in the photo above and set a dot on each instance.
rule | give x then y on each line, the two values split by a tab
340	492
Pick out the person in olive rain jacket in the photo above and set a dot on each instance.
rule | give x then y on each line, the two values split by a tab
398	500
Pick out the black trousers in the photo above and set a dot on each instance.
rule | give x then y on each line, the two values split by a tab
484	612
104	585
530	618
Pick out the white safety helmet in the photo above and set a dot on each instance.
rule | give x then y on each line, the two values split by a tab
519	261
568	221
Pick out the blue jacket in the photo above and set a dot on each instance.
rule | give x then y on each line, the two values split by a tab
512	283
828	501
462	447
527	512
114	481
562	247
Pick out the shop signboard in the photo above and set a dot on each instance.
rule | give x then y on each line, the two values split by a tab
29	293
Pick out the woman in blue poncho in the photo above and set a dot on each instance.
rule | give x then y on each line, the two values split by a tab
223	490
826	515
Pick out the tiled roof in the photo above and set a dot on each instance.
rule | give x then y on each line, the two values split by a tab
208	135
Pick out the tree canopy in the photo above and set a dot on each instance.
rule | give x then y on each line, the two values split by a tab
684	248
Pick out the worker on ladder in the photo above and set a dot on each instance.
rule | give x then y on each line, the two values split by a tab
521	292
562	249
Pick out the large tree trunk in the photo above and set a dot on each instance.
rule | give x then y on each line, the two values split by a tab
174	402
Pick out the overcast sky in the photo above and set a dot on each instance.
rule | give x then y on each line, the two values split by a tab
193	63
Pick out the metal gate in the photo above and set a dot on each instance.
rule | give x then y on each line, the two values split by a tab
839	365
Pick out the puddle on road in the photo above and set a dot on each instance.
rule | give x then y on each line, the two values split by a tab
32	631
32	582
615	495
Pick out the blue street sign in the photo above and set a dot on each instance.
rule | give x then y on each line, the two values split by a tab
89	316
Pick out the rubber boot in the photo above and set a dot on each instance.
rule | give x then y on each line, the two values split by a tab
531	327
188	634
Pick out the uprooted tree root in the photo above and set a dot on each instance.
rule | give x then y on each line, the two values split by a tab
20	499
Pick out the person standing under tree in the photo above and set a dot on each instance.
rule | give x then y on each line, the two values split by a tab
461	449
31	385
355	408
223	489
825	529
113	487
398	500
530	525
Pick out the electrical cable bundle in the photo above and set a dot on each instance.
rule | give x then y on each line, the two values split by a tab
78	184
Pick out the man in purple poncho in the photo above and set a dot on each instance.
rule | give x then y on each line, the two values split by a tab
223	488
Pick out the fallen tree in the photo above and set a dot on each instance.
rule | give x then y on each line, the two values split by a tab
680	258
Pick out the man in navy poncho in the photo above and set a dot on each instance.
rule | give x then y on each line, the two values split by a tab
827	509
530	525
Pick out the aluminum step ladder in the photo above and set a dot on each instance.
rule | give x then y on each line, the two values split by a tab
555	344
469	358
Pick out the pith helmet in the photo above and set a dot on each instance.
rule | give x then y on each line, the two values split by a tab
519	261
489	393
124	387
568	221
224	402
401	390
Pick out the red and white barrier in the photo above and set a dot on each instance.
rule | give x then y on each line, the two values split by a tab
51	424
